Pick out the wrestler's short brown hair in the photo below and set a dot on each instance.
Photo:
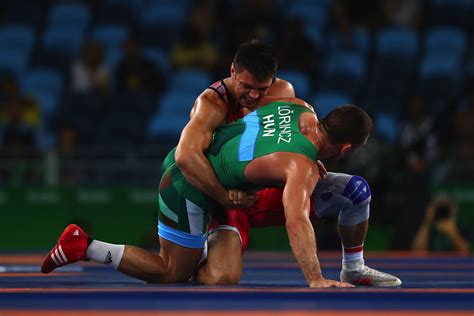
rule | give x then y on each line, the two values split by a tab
257	58
348	124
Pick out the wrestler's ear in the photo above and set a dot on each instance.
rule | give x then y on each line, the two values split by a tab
232	70
346	148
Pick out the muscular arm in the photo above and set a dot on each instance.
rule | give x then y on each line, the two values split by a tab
300	183
296	194
206	116
299	176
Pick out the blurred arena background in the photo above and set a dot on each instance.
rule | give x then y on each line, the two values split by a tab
93	94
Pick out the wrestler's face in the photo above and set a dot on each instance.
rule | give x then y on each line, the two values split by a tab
346	149
336	151
247	90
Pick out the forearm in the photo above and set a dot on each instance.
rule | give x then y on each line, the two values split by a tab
198	171
459	243
303	244
422	237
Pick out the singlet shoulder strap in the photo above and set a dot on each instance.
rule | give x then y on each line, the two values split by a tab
221	90
233	112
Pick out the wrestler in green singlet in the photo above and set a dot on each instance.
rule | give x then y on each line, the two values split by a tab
272	128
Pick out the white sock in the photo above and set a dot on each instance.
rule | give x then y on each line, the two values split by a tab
352	257
108	254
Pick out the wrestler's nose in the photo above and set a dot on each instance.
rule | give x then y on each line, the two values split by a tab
254	94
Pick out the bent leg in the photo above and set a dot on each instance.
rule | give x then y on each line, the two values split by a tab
174	263
224	259
353	236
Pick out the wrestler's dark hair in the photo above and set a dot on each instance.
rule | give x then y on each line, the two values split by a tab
257	58
347	124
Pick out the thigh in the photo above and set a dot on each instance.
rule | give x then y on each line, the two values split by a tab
181	261
180	205
224	259
232	220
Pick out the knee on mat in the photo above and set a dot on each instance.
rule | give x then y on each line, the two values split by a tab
219	277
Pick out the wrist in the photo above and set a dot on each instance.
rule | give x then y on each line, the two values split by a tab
316	281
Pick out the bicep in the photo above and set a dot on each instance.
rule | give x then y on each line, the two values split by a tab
299	186
204	119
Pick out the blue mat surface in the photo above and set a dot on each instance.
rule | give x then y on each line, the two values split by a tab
270	282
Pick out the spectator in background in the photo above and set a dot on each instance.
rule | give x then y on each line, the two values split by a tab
255	19
295	49
89	73
349	14
67	142
420	147
439	230
195	49
135	73
417	137
16	106
464	130
403	12
19	118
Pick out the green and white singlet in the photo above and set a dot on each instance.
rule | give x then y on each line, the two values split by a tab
183	210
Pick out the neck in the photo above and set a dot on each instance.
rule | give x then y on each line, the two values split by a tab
318	139
309	126
229	82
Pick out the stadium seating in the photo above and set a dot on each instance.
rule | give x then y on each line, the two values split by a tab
344	72
358	41
160	24
192	81
171	117
386	127
446	40
65	41
17	36
397	42
111	36
13	61
159	57
69	15
300	81
325	102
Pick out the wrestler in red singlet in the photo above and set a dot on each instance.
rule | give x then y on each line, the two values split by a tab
267	211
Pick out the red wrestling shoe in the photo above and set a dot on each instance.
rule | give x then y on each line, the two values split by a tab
71	247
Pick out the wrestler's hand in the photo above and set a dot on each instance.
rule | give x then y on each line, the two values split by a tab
322	282
241	199
322	169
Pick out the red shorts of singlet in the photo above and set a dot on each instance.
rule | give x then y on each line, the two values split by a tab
267	211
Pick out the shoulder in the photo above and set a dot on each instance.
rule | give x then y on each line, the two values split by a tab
209	107
281	83
297	165
281	88
296	101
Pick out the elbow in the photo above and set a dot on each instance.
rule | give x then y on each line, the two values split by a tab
182	158
295	224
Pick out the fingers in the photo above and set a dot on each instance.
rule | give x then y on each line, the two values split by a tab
334	283
343	284
322	169
241	199
330	283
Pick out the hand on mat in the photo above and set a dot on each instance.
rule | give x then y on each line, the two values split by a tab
322	282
